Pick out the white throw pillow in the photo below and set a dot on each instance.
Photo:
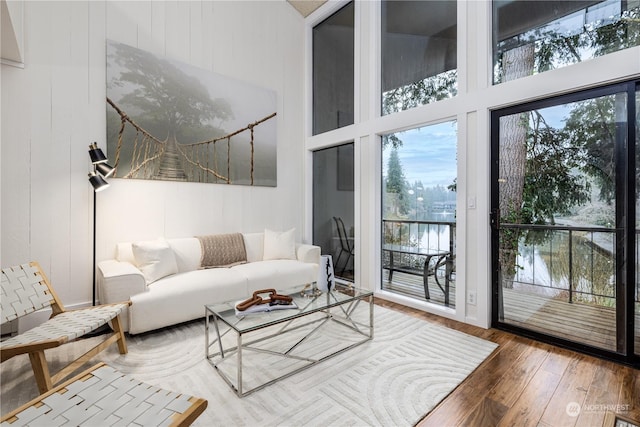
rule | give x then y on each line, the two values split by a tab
279	245
155	259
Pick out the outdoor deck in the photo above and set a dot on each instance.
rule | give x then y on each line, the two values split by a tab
411	286
593	325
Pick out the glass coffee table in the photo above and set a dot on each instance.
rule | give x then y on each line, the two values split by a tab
255	350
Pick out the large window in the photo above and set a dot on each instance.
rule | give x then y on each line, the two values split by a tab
419	212
530	37
333	97
419	53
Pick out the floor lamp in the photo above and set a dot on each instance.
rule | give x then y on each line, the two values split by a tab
101	170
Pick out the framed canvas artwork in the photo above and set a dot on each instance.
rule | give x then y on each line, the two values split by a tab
171	121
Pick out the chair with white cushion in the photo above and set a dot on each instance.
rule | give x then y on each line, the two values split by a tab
26	289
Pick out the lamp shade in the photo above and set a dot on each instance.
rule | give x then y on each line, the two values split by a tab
105	169
96	154
97	182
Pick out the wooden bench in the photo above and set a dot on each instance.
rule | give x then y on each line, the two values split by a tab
102	396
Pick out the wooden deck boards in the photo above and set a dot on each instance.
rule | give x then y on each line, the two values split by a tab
589	324
411	286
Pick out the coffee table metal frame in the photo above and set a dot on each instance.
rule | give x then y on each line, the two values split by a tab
336	306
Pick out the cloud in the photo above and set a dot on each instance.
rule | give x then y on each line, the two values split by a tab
428	154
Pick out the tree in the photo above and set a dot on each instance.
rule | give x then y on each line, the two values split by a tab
517	62
396	183
430	89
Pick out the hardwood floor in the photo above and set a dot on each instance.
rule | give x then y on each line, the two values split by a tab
527	383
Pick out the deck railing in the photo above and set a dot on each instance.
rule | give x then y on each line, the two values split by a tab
431	235
423	236
576	263
568	262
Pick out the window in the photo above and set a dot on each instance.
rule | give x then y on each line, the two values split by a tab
419	53
533	37
419	212
333	98
333	207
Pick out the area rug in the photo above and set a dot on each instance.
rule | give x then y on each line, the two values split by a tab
393	380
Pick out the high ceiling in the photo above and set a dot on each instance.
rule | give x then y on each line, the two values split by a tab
306	7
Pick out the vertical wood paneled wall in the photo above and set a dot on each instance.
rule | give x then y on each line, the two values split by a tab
54	107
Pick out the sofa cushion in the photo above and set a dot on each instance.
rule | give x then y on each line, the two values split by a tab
188	252
279	245
278	274
155	259
124	253
182	297
222	250
254	246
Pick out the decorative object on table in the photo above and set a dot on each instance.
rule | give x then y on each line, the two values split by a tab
258	304
221	130
97	178
26	289
326	279
310	290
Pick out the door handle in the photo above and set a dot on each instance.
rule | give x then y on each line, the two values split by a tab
494	218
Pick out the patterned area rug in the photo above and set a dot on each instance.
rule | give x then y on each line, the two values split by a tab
393	380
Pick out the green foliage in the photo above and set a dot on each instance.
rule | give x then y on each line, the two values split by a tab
591	126
430	89
552	182
391	139
556	49
396	182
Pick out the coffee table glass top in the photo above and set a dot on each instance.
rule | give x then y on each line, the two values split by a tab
306	304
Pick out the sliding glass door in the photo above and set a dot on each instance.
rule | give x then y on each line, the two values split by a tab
564	227
333	207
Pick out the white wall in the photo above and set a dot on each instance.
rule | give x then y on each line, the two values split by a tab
471	108
54	107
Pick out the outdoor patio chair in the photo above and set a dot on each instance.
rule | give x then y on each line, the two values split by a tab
346	246
26	289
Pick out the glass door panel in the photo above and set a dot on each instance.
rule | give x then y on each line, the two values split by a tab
333	207
559	223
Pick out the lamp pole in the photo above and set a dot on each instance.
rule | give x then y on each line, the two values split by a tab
101	170
93	264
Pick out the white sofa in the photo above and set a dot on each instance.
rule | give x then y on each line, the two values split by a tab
182	290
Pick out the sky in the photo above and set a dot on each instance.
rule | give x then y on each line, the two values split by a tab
428	154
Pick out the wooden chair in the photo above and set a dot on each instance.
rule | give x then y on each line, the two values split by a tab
103	396
26	289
